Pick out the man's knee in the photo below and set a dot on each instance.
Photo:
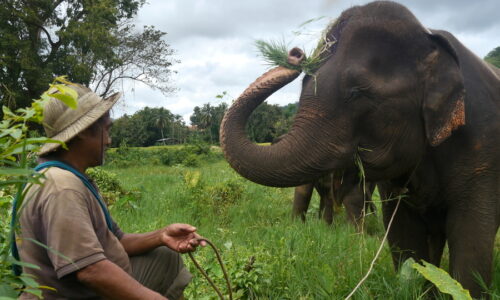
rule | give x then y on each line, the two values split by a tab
162	270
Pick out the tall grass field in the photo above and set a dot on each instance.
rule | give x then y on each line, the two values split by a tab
268	254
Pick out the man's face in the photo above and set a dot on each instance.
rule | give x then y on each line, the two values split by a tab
96	140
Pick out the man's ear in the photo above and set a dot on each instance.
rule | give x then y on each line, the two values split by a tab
84	134
443	105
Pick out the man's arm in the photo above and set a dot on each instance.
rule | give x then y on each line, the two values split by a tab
112	282
178	237
139	243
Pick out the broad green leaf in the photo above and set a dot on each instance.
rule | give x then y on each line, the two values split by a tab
63	79
12	260
35	292
18	148
7	292
29	282
17	133
407	271
15	171
66	99
64	89
45	97
7	111
442	280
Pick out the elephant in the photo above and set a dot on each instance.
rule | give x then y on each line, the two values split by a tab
416	108
335	190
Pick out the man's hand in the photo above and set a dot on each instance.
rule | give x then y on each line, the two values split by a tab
181	238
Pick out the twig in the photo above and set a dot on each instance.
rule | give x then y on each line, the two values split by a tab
377	254
219	259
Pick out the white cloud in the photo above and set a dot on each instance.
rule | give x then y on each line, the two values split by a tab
215	41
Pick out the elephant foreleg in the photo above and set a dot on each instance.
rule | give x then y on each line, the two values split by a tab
408	236
471	238
302	197
325	190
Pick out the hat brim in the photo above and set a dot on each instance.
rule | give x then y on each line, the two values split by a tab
81	124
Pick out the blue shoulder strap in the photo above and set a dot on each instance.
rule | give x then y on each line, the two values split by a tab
54	163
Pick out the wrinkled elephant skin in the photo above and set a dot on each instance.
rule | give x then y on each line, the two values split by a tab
418	109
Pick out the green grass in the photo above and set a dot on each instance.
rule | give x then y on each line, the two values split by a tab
249	222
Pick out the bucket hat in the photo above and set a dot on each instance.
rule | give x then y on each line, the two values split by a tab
63	123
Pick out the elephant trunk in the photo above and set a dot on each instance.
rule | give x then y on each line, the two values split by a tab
290	162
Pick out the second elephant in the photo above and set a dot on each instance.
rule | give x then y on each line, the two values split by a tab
335	190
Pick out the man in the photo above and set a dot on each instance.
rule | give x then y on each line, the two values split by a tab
85	254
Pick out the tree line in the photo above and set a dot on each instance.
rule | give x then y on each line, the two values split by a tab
94	43
158	126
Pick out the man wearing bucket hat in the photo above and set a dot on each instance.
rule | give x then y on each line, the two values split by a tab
85	255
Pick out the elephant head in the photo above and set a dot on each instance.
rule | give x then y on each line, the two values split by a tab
386	90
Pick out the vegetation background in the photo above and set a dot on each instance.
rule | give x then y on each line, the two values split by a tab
268	255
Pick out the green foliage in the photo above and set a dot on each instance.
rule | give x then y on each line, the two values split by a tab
247	274
147	126
442	280
93	42
268	122
191	155
16	148
493	57
291	259
112	191
207	119
191	160
218	197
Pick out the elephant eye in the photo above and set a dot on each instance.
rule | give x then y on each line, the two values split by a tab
354	93
359	91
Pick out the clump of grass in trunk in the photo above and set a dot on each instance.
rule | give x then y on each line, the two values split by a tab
276	54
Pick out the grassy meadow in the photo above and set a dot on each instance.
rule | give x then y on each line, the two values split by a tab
268	255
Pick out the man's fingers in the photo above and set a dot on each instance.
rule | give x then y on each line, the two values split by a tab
187	228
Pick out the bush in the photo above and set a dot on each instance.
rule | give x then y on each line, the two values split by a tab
189	155
218	198
111	190
191	160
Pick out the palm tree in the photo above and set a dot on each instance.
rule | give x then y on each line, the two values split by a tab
161	122
206	119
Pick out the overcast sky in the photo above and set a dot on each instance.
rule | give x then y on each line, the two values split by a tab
215	42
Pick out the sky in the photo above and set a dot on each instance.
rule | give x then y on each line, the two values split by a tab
215	42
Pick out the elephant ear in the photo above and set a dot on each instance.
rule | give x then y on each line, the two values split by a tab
443	105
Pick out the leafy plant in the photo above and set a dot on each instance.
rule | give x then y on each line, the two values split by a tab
111	190
16	146
442	280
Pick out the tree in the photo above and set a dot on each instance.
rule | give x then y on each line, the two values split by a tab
161	122
146	126
140	56
261	126
93	42
493	57
208	118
